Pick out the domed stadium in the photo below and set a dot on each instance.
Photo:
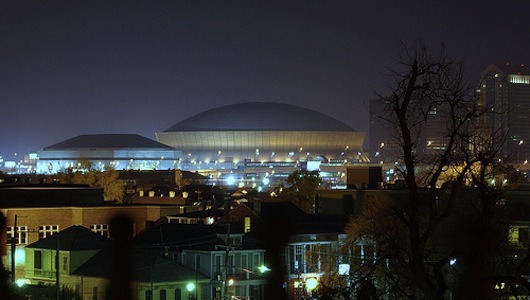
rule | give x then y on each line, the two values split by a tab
262	132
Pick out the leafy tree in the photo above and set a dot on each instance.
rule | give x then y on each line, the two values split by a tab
300	189
113	187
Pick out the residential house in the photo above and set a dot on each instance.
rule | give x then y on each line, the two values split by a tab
222	252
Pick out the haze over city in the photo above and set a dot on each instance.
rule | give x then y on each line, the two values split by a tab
86	67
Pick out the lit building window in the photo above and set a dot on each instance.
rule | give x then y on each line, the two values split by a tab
102	229
47	230
247	224
22	234
520	79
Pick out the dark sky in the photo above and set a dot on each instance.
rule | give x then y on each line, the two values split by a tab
84	67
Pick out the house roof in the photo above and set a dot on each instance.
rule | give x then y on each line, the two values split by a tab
72	239
190	236
143	266
192	175
49	195
201	213
108	141
298	221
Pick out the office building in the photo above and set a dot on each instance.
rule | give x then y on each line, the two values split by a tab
504	90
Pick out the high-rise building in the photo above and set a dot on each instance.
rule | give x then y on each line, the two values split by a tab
429	137
504	90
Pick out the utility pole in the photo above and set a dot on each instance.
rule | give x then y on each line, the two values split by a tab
14	249
57	289
225	269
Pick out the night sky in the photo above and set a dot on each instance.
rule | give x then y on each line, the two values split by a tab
85	67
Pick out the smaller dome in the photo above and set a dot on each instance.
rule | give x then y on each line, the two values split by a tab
260	116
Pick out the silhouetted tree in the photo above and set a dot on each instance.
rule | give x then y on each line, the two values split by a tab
422	232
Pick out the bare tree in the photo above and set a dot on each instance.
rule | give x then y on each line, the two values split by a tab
420	235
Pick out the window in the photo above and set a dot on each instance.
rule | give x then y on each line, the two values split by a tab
217	264
234	240
244	261
523	234
298	257
247	224
178	294
162	295
65	263
197	261
47	230
94	293
148	295
102	229
37	259
22	234
255	262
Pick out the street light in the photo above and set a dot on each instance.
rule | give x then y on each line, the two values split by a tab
311	284
190	287
263	269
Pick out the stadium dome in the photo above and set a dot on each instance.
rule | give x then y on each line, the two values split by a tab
263	131
260	116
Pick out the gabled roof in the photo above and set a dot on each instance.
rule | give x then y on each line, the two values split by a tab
72	239
144	266
192	175
184	236
108	141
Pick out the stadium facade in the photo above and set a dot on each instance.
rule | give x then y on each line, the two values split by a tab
119	151
255	140
251	144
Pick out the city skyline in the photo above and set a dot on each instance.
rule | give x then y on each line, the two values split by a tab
100	67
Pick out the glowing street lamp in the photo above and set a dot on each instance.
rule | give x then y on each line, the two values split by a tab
311	284
263	269
190	287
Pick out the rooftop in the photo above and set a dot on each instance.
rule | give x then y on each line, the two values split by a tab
73	238
509	68
107	141
260	116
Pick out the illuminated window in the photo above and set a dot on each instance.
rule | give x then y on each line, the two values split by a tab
22	234
247	224
518	234
102	229
47	230
520	79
